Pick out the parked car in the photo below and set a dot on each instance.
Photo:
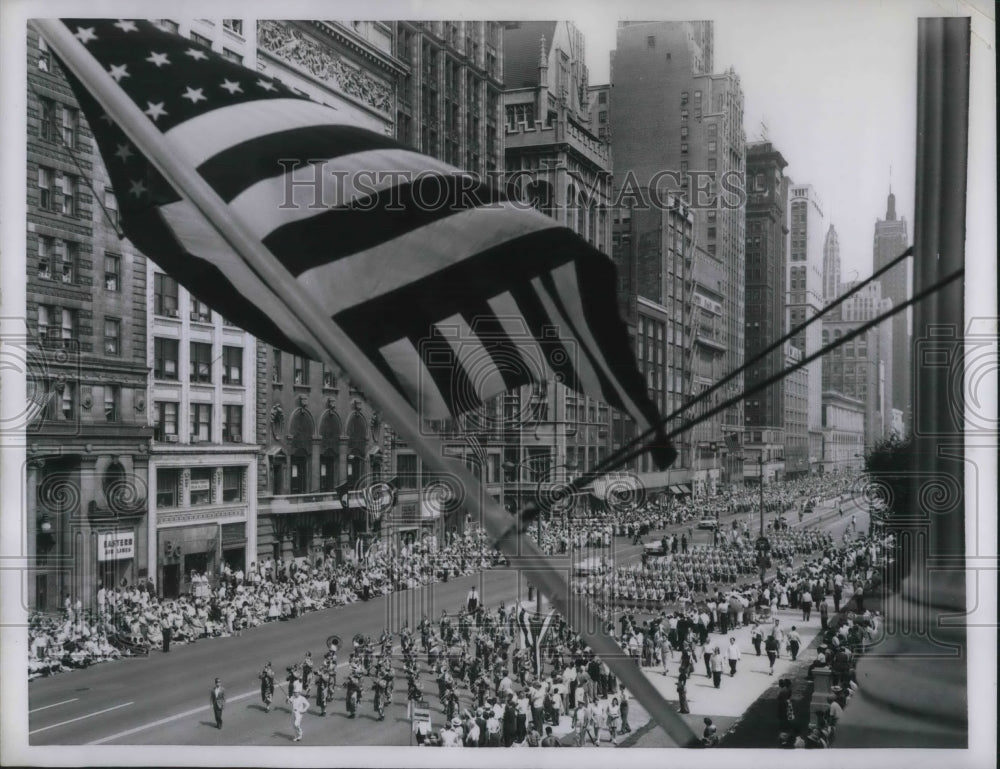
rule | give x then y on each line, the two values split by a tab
654	548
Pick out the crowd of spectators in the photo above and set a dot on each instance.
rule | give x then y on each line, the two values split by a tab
130	620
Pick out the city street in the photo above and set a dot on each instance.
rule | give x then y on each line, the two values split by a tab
163	699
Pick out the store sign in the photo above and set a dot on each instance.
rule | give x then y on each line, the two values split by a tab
115	545
200	485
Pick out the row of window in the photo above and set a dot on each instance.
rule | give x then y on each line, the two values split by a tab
58	191
201	487
300	371
65	406
166	356
165	301
165	420
58	123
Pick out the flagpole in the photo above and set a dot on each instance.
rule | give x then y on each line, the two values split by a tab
315	325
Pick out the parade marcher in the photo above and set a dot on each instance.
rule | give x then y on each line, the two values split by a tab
472	602
757	636
824	611
218	700
299	705
267	686
322	690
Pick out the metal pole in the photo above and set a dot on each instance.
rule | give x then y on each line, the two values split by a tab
760	464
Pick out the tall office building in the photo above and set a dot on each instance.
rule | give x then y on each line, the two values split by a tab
678	127
87	465
450	102
766	244
564	169
831	265
805	297
891	239
866	370
679	330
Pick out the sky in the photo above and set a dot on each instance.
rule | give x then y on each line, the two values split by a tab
835	84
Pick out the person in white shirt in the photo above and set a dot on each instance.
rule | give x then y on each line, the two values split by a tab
733	655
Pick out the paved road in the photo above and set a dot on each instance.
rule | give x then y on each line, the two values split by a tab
163	699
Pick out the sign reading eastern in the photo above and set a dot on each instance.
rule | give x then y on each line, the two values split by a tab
115	545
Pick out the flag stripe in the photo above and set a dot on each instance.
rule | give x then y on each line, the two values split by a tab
567	296
306	191
471	356
538	307
560	354
197	236
417	386
441	366
229	171
202	137
398	265
485	321
379	219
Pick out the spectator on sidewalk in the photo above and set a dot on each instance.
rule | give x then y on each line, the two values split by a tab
716	664
733	655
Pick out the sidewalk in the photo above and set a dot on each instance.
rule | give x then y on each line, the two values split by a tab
727	704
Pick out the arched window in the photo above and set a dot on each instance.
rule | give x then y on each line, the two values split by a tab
329	450
301	429
357	444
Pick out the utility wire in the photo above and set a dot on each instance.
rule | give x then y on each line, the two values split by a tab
634	449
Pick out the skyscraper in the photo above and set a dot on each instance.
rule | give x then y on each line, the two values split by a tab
678	127
890	241
88	441
766	250
564	169
805	297
831	265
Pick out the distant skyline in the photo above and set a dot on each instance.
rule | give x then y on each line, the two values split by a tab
835	83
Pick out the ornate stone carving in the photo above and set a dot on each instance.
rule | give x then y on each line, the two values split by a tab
307	54
277	420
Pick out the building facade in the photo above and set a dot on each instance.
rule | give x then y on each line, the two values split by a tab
831	265
805	296
843	433
859	370
203	462
796	400
891	239
556	160
766	257
87	438
679	332
678	127
449	96
868	369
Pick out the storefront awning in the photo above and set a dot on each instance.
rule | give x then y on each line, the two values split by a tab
681	488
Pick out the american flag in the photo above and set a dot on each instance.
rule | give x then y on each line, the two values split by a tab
454	302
